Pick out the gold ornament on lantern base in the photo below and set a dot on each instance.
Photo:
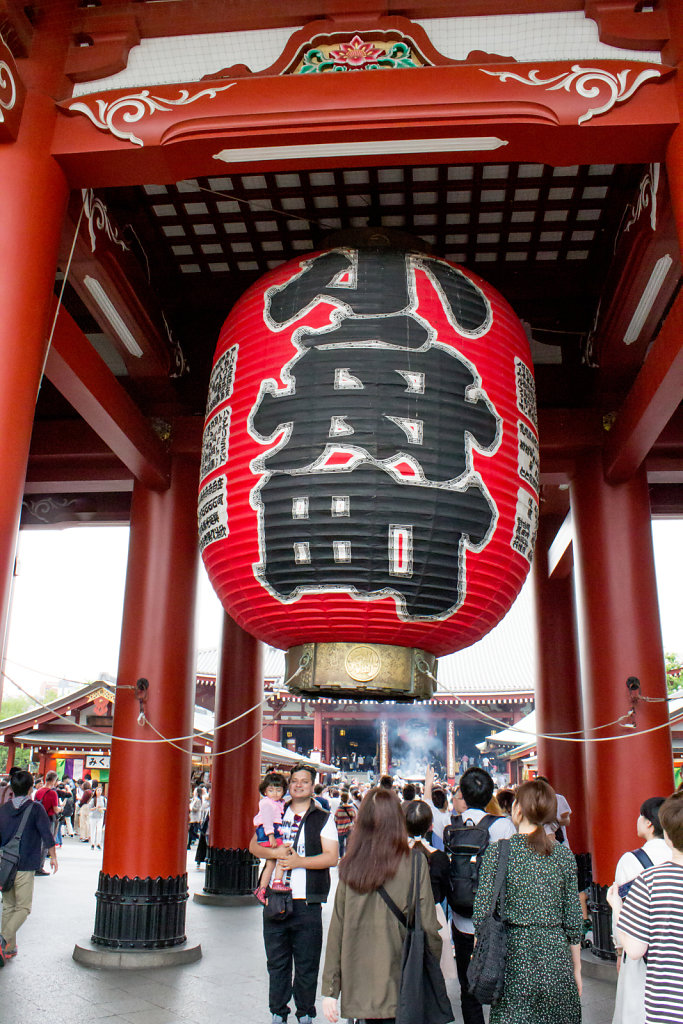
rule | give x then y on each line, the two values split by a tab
361	671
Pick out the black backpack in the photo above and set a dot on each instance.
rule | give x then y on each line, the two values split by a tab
465	843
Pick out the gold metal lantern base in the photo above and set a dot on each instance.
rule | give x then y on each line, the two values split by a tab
361	671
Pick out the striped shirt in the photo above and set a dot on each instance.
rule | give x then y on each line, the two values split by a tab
653	913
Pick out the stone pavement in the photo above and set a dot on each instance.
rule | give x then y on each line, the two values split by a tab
227	986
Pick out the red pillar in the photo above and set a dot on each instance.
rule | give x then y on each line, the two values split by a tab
143	884
318	730
11	753
231	871
272	732
620	636
32	204
327	747
558	686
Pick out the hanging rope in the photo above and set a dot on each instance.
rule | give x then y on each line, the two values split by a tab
107	738
174	741
61	290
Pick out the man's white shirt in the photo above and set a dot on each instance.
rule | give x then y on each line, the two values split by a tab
297	878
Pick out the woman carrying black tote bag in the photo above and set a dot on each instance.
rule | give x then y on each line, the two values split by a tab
372	952
422	992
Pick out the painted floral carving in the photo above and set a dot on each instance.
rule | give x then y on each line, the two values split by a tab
587	82
357	55
135	107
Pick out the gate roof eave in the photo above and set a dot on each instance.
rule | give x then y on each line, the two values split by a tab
514	112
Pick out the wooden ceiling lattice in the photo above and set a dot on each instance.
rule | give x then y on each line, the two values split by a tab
544	236
472	214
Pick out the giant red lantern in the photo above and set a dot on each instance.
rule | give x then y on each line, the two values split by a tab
369	483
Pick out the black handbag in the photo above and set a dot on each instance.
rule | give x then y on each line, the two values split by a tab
279	904
422	996
486	971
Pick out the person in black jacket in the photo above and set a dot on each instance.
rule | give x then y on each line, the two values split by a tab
419	821
17	902
310	849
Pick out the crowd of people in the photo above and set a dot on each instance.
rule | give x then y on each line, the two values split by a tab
75	807
376	830
438	845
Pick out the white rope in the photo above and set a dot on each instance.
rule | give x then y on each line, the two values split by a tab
61	290
174	741
108	738
79	683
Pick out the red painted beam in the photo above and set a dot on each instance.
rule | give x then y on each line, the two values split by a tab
68	457
656	394
563	435
84	379
664	463
77	475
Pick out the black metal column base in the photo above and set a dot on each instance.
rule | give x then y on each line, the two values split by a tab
601	912
230	872
140	913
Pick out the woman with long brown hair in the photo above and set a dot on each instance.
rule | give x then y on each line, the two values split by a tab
365	940
543	967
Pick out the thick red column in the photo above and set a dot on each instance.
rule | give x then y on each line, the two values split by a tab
32	204
231	871
558	686
146	832
620	637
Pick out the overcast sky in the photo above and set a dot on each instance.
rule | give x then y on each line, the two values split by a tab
68	597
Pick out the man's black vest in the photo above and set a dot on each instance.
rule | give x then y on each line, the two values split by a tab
317	879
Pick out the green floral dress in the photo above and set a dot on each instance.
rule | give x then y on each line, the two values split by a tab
544	919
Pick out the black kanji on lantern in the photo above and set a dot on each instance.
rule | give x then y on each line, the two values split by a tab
368	388
376	296
422	404
363	531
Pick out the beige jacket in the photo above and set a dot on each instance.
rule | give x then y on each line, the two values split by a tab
365	941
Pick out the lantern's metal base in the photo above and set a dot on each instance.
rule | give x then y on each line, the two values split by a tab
361	671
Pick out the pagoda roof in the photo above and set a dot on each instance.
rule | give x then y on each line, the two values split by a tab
54	709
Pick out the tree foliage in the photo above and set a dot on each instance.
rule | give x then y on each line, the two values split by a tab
674	672
12	706
22	758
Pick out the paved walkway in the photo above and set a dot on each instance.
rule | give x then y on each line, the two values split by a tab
227	986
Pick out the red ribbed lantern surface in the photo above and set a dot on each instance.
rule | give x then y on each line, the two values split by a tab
370	460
